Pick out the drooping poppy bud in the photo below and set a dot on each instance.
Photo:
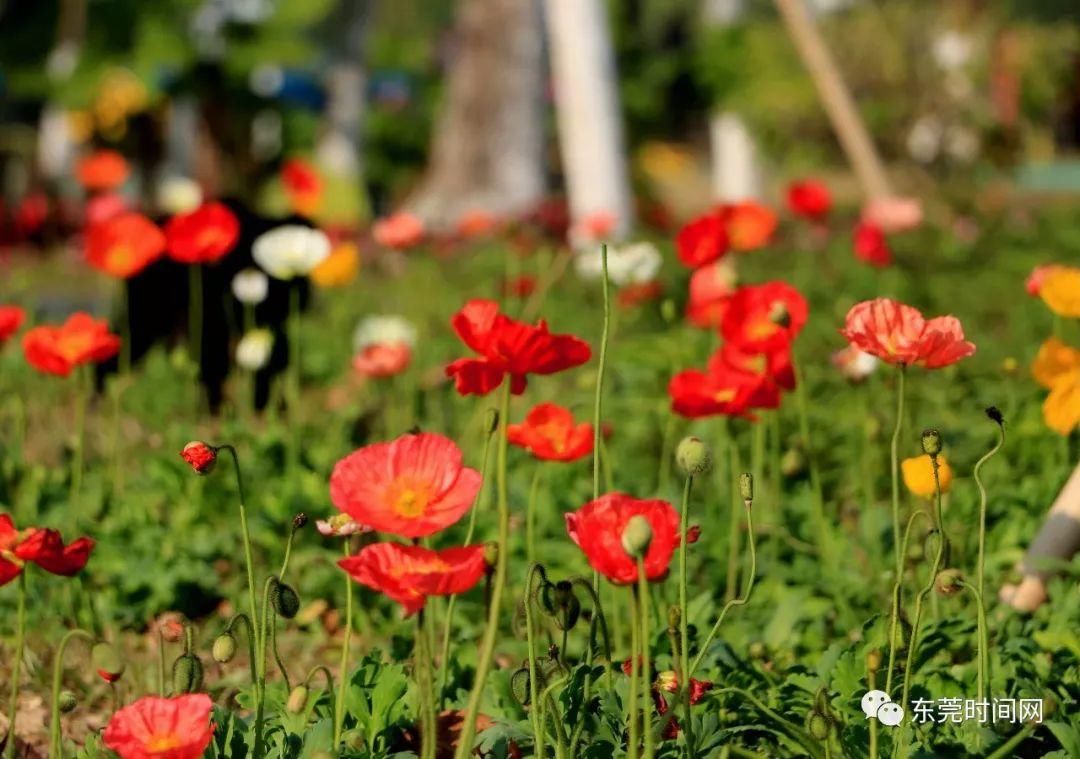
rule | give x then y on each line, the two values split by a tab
948	582
637	536
284	599
491	421
818	726
693	456
297	699
519	686
224	648
67	702
299	521
559	602
200	456
107	662
187	674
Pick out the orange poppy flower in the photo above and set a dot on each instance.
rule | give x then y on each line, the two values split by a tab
409	574
750	225
102	170
399	231
202	236
81	339
11	318
124	245
549	433
412	487
597	529
382	360
764	318
899	334
162	728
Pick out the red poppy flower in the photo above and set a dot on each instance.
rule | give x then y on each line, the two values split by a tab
81	339
549	433
102	170
520	287
31	213
104	206
382	360
302	184
722	390
899	334
702	241
594	227
871	245
202	236
1038	275
409	574
639	292
412	487
41	546
772	371
399	231
507	346
124	245
809	198
764	318
162	728
750	225
11	318
200	456
711	288
597	528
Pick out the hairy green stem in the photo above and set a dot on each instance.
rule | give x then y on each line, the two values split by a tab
895	616
343	673
55	749
535	570
684	631
16	666
646	658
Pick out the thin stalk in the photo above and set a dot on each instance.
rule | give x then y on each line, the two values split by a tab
1005	750
980	685
980	570
195	315
730	587
487	648
16	666
894	469
635	664
293	380
55	737
893	622
249	631
428	723
821	524
530	514
598	400
161	663
260	666
343	674
646	658
598	620
684	634
82	391
530	635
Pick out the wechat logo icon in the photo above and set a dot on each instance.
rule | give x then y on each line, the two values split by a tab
876	704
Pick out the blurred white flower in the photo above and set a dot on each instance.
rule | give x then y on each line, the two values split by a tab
383	329
177	194
250	286
290	251
924	139
633	264
340	525
962	144
254	349
854	364
952	50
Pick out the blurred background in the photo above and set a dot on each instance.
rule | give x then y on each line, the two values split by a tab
641	110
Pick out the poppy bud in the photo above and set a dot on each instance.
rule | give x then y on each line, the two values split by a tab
224	648
567	606
67	701
818	726
669	311
692	456
519	686
674	616
793	462
491	421
758	651
284	599
187	674
200	456
107	662
297	699
780	315
994	414
354	739
948	581
636	536
873	660
299	521
746	487
491	553
931	442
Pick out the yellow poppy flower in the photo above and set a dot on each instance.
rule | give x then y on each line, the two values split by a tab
918	473
1054	360
1061	409
1061	291
339	268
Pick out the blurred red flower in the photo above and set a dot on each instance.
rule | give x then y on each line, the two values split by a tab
520	287
102	170
507	346
475	224
750	225
810	199
124	245
202	236
104	206
702	240
734	382
549	433
43	547
162	728
302	185
638	293
1038	275
597	529
764	318
11	318
382	360
412	487
409	574
899	334
711	288
31	213
773	372
399	231
871	245
81	339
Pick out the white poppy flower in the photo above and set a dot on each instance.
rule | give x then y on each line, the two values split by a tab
383	329
633	264
250	286
290	251
176	195
254	349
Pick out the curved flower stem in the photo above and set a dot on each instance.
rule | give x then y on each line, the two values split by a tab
530	514
448	624
898	550
260	666
251	638
597	620
741	601
601	366
58	675
635	664
487	647
980	570
322	669
277	656
895	617
161	662
730	586
16	665
428	722
981	638
914	641
560	731
684	633
293	386
343	674
535	570
646	659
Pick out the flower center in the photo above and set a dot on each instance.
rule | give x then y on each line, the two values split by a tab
162	743
762	328
410	501
727	395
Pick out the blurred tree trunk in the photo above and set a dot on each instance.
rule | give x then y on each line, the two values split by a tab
587	101
736	171
487	147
